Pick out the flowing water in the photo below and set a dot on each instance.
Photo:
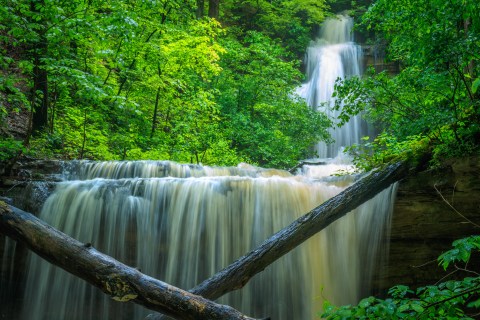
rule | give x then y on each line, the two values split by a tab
183	223
332	56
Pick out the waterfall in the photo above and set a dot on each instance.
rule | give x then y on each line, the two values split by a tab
332	56
183	223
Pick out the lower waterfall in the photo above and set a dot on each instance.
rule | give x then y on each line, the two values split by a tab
182	229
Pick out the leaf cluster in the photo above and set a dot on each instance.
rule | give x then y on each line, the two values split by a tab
434	98
452	299
292	23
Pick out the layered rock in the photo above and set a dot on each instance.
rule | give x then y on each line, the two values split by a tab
432	209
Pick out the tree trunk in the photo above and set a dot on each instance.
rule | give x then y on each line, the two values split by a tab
236	275
200	9
40	79
214	8
303	163
155	111
119	281
40	84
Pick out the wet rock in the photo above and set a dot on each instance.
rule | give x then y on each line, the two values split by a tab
30	183
432	209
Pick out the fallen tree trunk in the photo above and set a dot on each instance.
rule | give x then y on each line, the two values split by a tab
119	281
236	275
305	163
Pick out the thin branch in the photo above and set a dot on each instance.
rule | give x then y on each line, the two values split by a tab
453	208
471	290
425	264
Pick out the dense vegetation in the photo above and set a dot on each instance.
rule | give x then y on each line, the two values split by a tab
449	299
213	82
430	110
158	80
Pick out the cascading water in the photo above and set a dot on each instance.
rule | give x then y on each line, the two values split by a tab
183	223
333	55
184	228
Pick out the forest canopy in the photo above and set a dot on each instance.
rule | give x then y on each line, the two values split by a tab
189	81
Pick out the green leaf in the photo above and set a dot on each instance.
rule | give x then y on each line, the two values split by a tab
475	85
403	307
474	304
417	307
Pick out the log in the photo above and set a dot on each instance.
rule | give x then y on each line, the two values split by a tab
124	283
121	282
236	275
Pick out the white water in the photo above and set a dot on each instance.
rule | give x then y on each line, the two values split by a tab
184	229
183	223
333	55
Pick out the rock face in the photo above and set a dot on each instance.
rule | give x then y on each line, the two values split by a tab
430	212
27	187
30	183
374	56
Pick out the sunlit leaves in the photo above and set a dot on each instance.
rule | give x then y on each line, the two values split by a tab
136	79
475	85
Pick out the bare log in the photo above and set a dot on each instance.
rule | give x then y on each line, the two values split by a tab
119	281
236	275
305	163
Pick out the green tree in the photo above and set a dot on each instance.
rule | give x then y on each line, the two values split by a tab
291	22
434	98
264	121
144	79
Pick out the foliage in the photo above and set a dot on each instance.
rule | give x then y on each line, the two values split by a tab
434	99
264	121
453	299
9	148
386	148
292	22
133	80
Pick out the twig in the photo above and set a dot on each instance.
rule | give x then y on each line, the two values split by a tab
426	263
453	208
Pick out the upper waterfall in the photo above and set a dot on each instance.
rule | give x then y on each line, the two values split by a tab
333	55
